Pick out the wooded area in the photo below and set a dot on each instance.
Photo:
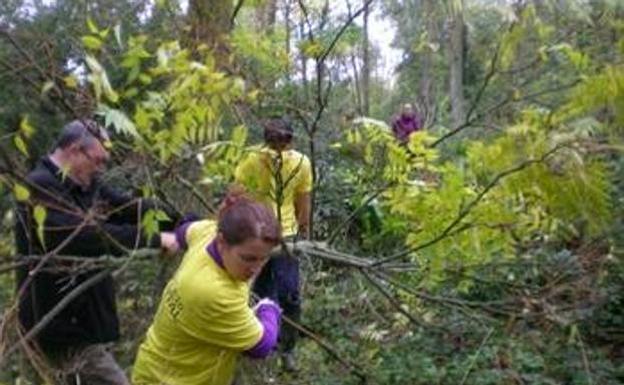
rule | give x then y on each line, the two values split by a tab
486	249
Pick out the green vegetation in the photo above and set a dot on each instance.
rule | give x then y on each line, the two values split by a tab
487	250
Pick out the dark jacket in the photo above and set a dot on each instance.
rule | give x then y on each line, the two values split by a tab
404	125
92	316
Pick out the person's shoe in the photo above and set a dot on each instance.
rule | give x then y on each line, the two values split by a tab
288	362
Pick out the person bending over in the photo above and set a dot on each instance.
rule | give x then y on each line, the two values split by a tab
204	321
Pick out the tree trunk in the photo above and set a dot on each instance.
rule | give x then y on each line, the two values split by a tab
356	82
210	23
304	62
456	60
425	88
366	70
266	15
287	26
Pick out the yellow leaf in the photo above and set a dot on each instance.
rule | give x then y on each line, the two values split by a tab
40	215
26	129
145	79
21	193
47	86
70	81
92	42
131	92
91	25
104	34
20	144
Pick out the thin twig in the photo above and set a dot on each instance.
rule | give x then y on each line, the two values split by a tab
237	8
391	299
328	347
45	320
474	358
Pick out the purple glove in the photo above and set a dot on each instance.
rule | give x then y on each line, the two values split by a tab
268	313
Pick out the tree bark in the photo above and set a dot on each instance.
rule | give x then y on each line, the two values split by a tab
456	56
366	65
210	24
356	83
266	14
304	62
426	92
287	26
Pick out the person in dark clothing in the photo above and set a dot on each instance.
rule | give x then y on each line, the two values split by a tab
406	123
84	218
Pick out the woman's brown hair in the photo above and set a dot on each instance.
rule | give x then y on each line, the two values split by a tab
241	218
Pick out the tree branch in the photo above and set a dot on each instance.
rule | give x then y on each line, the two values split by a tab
237	8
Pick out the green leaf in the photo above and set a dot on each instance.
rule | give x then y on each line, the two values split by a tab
91	42
104	33
161	216
311	49
92	27
109	92
70	81
131	92
145	79
99	79
118	119
40	215
21	193
239	135
149	223
20	144
117	31
47	86
26	129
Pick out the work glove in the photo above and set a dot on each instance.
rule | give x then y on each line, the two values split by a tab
266	302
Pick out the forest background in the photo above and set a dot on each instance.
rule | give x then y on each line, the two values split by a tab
488	250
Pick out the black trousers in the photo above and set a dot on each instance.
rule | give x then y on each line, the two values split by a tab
279	280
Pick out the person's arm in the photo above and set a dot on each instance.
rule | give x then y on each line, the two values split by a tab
192	230
76	234
225	319
70	230
302	197
268	313
126	209
302	211
395	128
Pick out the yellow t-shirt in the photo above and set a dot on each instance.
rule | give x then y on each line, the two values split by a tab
256	173
202	324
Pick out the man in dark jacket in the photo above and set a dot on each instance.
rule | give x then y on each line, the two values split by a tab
83	218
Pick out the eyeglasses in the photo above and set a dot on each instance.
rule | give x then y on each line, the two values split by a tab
98	133
97	160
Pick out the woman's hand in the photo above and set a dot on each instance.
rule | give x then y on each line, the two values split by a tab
168	243
267	302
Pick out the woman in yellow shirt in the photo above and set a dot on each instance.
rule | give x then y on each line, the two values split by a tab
204	322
